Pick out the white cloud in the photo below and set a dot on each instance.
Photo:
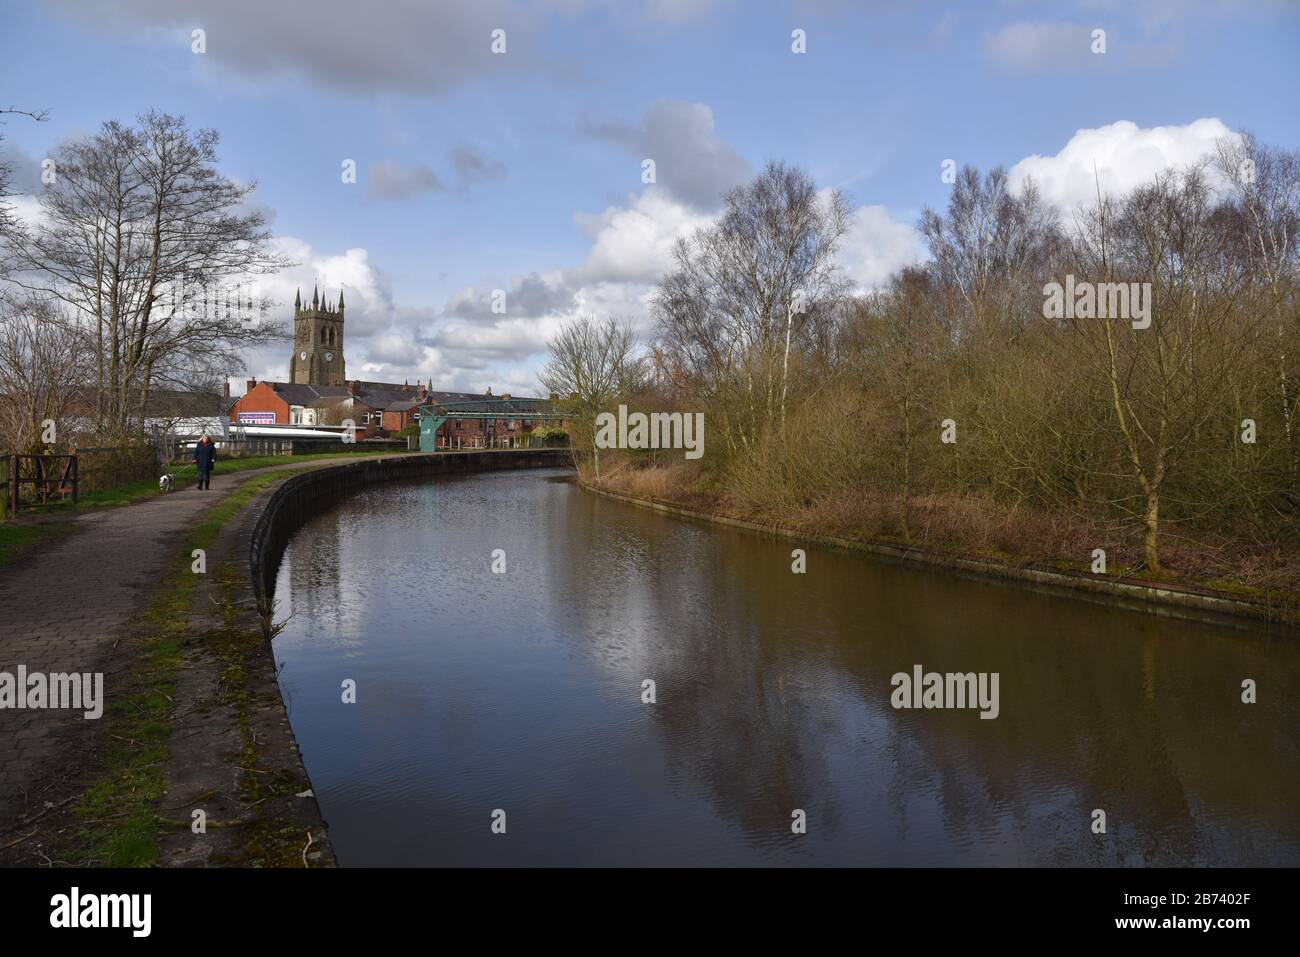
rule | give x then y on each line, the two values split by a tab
393	348
533	294
876	246
1124	156
366	291
631	248
27	209
508	338
634	243
381	342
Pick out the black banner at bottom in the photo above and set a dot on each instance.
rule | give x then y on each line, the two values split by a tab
330	907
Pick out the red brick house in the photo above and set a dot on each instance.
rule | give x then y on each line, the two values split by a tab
475	433
398	415
262	404
292	403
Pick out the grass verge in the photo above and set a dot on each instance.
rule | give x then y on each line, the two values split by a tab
18	538
268	840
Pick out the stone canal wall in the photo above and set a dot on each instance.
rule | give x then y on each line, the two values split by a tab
1135	594
307	494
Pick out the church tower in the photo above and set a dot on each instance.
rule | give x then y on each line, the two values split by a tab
317	342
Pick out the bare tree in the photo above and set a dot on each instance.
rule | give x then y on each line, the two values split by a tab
894	340
1264	190
990	245
593	363
41	366
148	245
1165	382
6	177
6	174
748	292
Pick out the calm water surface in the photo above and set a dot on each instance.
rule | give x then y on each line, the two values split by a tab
522	691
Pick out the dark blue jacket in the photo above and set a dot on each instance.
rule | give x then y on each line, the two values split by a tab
205	456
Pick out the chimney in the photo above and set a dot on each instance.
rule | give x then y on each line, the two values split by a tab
251	384
489	392
354	387
225	389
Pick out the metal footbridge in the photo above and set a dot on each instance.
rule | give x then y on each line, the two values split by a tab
434	414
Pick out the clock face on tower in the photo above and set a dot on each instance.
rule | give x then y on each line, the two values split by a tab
329	357
303	356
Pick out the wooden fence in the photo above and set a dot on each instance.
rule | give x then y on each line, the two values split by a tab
46	478
27	480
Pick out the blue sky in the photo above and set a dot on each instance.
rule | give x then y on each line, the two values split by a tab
522	171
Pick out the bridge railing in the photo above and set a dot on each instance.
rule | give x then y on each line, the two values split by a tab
491	440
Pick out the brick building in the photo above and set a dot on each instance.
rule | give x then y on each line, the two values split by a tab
489	432
375	408
318	393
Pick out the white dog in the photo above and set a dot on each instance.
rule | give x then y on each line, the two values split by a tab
165	483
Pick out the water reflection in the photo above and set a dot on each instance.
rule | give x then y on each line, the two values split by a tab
523	691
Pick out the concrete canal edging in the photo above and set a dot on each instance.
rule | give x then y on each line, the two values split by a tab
1131	593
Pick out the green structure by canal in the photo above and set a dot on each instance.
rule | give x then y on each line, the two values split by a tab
531	411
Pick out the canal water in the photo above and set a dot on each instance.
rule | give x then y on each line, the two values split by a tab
522	692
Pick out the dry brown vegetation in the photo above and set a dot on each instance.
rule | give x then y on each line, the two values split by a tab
826	411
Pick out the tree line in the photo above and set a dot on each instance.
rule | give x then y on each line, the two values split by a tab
963	403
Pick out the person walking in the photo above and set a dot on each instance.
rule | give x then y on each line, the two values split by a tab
205	458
